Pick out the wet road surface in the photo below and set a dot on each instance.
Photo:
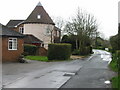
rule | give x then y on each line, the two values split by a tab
94	73
89	72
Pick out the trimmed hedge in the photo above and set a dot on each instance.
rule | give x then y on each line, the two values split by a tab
59	51
30	49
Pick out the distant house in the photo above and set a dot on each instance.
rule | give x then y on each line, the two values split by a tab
12	44
38	24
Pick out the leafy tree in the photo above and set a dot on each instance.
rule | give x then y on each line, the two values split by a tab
70	39
114	42
65	39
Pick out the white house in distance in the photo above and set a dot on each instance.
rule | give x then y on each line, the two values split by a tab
38	24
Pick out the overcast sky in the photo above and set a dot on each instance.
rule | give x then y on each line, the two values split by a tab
105	11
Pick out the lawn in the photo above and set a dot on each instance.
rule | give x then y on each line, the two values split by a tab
38	58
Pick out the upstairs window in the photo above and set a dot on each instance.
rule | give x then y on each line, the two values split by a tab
21	30
12	44
48	30
38	16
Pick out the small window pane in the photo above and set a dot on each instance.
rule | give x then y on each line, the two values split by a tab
21	30
10	45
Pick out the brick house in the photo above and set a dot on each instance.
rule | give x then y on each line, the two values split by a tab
12	44
39	24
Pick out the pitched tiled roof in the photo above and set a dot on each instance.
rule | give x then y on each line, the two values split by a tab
29	39
43	16
7	32
13	23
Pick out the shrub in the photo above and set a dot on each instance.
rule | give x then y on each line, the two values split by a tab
118	53
85	51
59	51
110	49
101	48
118	59
115	63
25	53
30	49
76	52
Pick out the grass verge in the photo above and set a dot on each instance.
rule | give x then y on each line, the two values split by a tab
38	58
114	67
42	58
116	82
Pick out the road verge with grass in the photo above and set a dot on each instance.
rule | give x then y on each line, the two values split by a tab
114	67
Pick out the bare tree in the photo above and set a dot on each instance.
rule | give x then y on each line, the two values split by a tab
59	22
84	26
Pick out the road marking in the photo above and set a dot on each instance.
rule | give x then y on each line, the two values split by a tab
90	58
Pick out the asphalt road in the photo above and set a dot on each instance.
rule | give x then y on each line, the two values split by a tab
93	73
90	72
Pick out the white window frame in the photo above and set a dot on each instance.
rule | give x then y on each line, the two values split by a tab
14	43
21	30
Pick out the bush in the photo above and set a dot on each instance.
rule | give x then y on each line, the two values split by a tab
59	51
76	52
30	49
101	48
115	63
118	59
110	49
25	53
118	53
85	51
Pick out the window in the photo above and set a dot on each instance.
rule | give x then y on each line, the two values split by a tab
38	16
12	44
21	30
48	30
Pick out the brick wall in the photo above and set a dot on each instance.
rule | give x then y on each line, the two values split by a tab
11	55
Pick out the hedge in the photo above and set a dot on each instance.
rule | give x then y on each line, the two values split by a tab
59	51
30	49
